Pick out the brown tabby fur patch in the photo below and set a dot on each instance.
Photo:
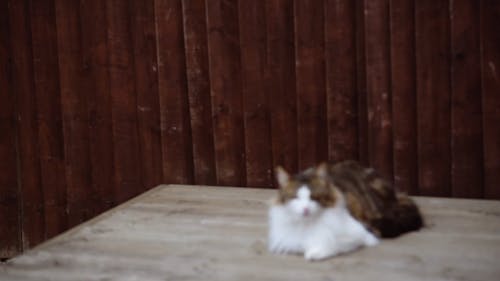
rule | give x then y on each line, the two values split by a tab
370	199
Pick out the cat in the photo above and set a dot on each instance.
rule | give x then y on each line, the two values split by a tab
333	209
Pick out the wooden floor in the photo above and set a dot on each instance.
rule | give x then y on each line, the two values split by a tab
213	233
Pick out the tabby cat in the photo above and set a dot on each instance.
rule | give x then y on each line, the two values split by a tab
336	208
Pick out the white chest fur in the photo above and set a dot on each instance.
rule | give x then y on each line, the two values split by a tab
326	233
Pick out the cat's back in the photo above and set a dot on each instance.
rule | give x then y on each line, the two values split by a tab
362	182
373	200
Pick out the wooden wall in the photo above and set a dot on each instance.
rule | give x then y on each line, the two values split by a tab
101	100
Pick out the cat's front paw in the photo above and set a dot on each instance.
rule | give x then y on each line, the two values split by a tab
371	240
316	254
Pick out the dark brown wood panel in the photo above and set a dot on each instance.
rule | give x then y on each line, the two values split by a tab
32	215
175	125
404	114
490	69
9	189
49	115
143	29
310	81
361	82
95	85
101	100
466	118
253	38
74	112
282	91
123	101
433	96
340	55
198	78
377	50
226	91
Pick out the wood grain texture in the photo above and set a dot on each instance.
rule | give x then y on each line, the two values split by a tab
74	112
198	248
111	98
283	96
340	56
466	117
254	63
403	88
128	178
10	204
175	125
32	215
377	50
198	78
49	115
96	85
433	96
143	29
226	91
490	79
361	82
310	81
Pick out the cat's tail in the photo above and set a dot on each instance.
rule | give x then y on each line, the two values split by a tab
404	216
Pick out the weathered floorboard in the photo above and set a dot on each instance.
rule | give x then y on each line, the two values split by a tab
137	240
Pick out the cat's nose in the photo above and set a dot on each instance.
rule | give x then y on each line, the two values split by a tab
306	211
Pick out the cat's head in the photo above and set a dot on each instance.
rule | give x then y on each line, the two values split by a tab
306	194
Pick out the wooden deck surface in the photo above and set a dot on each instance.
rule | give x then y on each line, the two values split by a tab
212	233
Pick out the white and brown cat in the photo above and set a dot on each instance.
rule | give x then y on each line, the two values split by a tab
336	208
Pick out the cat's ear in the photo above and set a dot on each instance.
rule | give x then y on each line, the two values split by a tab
322	170
282	176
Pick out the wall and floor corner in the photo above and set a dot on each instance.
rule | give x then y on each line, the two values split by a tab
102	100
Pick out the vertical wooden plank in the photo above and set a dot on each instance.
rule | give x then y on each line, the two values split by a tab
404	114
252	22
433	96
225	77
310	79
95	84
123	102
490	63
10	229
466	129
74	112
176	132
32	217
378	90
340	52
282	92
48	102
198	78
143	31
361	82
